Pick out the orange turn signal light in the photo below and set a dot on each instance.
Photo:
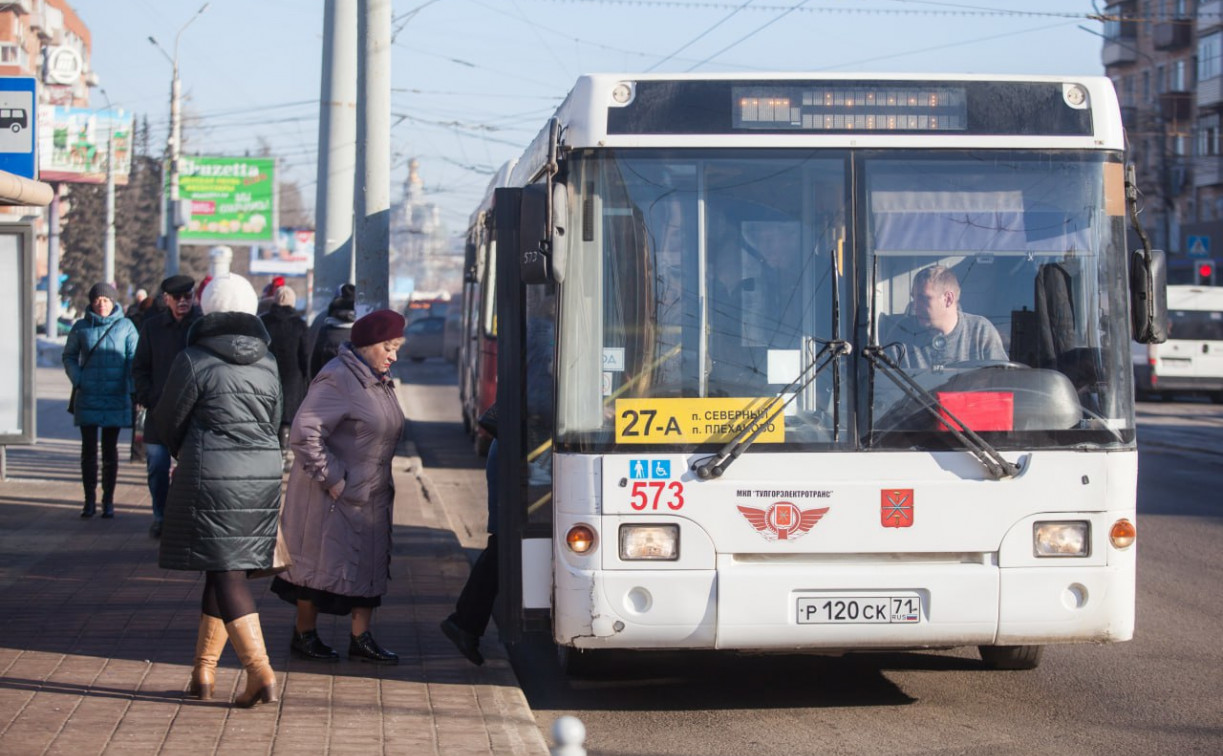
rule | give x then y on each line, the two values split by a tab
580	539
1122	534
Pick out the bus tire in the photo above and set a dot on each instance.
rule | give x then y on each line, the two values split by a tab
1011	657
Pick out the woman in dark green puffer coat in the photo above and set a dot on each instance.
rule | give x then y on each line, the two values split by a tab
98	360
219	413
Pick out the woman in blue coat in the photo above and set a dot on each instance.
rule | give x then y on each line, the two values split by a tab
98	360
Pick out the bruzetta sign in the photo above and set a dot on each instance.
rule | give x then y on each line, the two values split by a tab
227	199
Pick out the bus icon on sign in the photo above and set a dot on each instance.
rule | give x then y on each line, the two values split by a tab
14	119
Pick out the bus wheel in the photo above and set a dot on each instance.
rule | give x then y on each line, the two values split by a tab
1011	657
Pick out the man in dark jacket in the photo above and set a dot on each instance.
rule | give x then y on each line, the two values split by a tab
341	314
288	333
162	337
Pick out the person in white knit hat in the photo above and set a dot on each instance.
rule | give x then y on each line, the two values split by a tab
220	413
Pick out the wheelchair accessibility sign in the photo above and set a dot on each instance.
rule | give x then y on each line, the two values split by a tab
649	469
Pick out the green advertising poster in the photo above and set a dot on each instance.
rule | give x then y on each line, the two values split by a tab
230	200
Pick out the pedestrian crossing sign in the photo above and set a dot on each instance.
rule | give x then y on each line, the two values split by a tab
1199	246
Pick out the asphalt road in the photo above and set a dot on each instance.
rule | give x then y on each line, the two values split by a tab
1160	693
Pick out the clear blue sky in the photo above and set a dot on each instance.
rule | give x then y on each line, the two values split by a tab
473	80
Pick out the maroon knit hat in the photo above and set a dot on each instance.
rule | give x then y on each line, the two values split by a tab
376	327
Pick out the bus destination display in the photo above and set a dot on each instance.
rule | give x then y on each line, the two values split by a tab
851	108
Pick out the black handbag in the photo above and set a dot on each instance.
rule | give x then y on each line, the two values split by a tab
92	349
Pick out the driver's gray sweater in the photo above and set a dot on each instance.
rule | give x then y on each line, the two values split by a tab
973	339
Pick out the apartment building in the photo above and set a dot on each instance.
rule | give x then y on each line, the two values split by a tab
1165	58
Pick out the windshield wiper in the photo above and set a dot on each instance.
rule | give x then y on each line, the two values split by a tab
717	464
998	466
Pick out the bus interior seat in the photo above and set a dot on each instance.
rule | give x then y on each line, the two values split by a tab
1054	302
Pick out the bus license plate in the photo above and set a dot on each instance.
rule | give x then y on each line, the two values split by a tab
881	610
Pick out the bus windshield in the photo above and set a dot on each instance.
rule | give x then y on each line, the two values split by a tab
706	286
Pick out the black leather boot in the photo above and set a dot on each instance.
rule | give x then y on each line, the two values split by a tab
364	648
110	475
309	646
89	480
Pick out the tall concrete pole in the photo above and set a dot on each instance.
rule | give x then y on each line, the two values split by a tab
52	330
176	133
337	156
108	252
172	215
374	139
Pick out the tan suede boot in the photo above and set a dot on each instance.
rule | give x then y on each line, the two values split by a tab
247	637
208	647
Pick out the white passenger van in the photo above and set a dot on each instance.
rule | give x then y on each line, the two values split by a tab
1191	360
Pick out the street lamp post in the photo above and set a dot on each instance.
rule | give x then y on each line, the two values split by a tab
108	251
172	214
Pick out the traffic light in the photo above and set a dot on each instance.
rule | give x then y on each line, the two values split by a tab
1204	273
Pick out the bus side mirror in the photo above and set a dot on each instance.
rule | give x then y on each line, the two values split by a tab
1149	297
469	262
542	236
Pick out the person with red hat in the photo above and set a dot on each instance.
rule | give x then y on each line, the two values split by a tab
337	509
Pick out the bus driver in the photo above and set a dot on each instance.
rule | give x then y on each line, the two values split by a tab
937	333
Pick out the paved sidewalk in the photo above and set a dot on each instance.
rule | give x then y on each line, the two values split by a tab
96	641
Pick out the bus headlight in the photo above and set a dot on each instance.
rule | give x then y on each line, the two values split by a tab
1061	539
649	542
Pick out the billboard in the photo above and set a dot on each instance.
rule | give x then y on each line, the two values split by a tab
292	254
227	200
74	144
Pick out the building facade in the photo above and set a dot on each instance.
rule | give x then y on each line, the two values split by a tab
1165	58
46	40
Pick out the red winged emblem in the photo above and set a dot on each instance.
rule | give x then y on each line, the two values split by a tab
782	521
896	508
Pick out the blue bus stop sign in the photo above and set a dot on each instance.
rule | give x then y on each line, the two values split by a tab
18	124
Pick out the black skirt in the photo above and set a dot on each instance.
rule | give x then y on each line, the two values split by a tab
325	601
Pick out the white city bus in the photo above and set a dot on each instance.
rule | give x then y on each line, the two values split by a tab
716	432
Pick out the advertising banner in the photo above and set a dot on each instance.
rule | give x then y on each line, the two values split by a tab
75	144
228	200
292	254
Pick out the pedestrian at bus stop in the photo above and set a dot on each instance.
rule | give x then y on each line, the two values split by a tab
98	359
338	503
288	333
162	337
335	330
220	417
467	623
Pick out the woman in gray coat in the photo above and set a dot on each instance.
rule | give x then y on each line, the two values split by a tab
219	413
337	513
98	359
